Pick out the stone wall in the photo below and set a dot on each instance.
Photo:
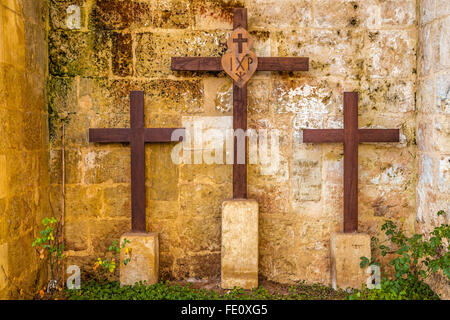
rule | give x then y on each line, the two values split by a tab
433	119
367	46
23	145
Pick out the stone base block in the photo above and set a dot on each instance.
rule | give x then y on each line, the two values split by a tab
240	244
144	255
346	251
3	267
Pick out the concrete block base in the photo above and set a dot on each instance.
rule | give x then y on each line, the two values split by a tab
240	244
144	263
346	251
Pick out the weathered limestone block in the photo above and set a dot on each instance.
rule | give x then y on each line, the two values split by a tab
79	53
391	53
153	50
440	43
346	251
144	263
3	266
3	176
240	244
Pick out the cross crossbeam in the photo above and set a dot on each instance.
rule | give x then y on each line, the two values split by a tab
264	64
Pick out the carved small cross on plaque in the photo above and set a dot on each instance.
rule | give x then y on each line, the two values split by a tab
240	63
136	136
351	136
239	40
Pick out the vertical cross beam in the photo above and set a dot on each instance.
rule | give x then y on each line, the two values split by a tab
239	119
351	143
137	161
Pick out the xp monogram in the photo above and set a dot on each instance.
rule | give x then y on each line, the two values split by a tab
240	62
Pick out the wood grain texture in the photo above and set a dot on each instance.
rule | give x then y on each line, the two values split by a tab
196	64
109	135
240	123
239	119
239	18
283	64
160	134
323	135
350	162
379	135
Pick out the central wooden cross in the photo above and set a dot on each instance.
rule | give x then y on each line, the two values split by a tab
351	136
240	64
136	136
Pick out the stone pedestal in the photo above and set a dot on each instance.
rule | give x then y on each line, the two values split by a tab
346	252
240	244
3	268
144	263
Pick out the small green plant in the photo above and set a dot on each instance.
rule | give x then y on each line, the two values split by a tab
414	259
93	290
107	266
49	246
114	247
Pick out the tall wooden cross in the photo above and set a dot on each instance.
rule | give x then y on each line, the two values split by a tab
351	136
240	63
137	135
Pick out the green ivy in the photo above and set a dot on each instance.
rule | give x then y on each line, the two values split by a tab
109	264
49	246
415	259
165	291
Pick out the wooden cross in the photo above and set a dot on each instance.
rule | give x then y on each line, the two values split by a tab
239	87
351	136
136	136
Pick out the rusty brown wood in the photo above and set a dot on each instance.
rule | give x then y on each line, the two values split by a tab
137	145
350	161
137	136
351	136
379	135
109	135
239	118
264	64
240	123
239	90
323	135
